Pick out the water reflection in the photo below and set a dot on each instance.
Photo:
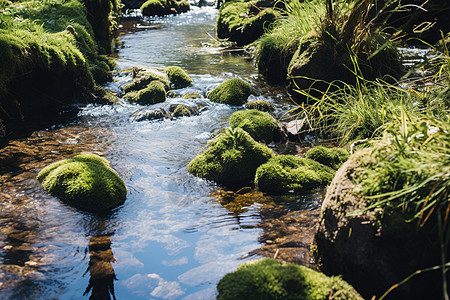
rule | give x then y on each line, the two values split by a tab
101	257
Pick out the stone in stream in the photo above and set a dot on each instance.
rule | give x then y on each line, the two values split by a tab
260	105
332	157
164	7
269	279
182	110
149	115
233	92
232	158
152	94
260	125
290	174
85	181
178	77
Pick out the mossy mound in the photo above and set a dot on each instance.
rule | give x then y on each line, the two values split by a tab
149	115
260	125
178	77
232	158
192	95
233	92
182	110
85	181
141	79
268	279
238	23
152	94
260	105
290	174
332	157
164	7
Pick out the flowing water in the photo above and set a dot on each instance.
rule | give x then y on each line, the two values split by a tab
176	235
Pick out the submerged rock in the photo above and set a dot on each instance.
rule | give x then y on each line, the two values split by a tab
85	181
290	174
233	92
332	157
260	105
268	279
232	158
260	125
152	94
178	77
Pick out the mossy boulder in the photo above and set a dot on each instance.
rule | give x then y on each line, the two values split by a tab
290	174
232	158
152	94
85	181
233	92
261	105
269	279
332	157
142	78
374	249
164	7
149	115
178	77
238	23
192	95
182	110
260	125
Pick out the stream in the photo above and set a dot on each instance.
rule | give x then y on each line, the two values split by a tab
176	235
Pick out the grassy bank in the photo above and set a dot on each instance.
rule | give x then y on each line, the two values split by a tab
50	58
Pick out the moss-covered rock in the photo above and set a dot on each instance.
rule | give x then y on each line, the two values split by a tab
332	157
268	279
141	79
178	77
149	115
290	174
261	105
260	125
233	92
85	181
164	7
152	94
192	95
238	23
232	158
181	110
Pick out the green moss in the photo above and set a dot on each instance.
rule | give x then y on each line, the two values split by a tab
86	181
260	125
178	77
192	95
289	174
143	78
152	94
182	111
332	157
232	158
233	92
260	105
149	115
236	22
164	7
268	279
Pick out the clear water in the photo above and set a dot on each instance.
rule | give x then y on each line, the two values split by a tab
176	235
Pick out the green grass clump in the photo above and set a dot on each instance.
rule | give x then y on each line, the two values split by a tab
276	48
289	174
152	94
233	92
178	77
260	125
260	105
237	23
268	279
85	181
232	158
332	157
